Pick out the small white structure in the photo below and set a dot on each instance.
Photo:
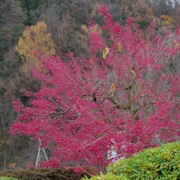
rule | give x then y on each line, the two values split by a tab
39	154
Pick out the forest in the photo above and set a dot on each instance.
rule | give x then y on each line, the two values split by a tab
88	81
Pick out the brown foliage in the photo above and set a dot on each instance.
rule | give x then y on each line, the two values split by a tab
139	10
46	174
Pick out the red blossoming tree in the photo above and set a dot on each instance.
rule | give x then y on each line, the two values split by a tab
123	98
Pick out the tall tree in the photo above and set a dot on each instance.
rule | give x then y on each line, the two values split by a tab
121	98
35	39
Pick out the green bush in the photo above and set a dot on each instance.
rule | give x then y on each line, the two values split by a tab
7	178
108	176
156	163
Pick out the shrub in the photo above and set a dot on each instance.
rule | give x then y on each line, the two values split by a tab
7	178
108	176
155	163
39	174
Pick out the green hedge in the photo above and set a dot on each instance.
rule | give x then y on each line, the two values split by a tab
162	163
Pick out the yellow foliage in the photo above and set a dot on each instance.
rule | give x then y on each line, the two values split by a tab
112	88
105	52
35	38
175	44
118	47
166	19
95	28
84	28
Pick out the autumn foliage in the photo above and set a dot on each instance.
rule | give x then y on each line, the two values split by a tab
123	98
35	39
